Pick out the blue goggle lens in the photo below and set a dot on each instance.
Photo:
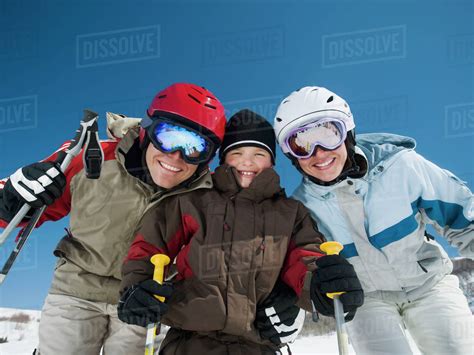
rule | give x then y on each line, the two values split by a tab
194	147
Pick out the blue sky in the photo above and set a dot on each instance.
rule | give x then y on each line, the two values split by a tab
405	67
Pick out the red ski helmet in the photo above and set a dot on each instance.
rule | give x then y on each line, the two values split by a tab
189	105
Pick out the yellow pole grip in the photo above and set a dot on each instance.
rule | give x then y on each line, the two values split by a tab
160	261
332	248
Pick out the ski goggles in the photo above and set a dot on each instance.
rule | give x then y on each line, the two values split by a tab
327	133
169	137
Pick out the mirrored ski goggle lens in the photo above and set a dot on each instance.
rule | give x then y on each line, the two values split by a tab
171	137
329	135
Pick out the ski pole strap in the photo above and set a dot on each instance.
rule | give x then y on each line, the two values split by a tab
65	159
93	154
87	137
90	117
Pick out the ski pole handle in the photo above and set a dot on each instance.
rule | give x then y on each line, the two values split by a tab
160	261
334	248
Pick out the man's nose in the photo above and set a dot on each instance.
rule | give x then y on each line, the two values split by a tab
176	155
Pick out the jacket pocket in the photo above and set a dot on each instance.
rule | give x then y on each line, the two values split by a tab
182	263
196	305
60	262
431	264
215	224
421	265
273	250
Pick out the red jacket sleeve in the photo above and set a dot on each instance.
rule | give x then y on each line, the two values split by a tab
61	206
302	251
164	229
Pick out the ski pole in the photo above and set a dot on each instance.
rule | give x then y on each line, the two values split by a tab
333	248
88	128
153	329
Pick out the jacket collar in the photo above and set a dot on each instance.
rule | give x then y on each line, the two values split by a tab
264	186
203	181
125	145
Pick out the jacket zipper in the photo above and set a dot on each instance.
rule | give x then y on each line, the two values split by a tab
261	247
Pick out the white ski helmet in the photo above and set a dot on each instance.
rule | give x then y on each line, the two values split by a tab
307	105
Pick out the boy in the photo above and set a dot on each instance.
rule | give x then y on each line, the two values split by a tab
231	244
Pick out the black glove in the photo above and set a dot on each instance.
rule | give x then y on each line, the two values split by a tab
336	274
37	184
139	306
278	319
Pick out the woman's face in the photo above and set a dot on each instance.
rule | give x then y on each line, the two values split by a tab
325	165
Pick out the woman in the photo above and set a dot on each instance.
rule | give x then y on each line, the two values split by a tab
375	195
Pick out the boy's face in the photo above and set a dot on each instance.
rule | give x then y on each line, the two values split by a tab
325	165
167	169
249	162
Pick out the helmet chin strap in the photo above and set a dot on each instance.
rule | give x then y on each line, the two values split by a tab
352	168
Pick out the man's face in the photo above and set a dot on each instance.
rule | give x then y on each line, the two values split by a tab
167	169
325	165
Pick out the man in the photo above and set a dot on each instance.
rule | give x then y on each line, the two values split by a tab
375	195
186	125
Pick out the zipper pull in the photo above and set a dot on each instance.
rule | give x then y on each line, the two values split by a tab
261	247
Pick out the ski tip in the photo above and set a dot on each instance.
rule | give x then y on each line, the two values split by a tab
2	277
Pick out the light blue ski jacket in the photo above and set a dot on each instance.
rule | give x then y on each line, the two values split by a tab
381	218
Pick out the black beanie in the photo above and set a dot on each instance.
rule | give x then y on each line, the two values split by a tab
247	128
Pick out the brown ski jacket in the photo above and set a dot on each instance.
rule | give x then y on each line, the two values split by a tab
231	245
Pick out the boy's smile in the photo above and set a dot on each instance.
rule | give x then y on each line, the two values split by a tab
249	161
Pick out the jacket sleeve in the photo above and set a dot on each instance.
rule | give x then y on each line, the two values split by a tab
303	250
446	203
163	229
61	207
9	205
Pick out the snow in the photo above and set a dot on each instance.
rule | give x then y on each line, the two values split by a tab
321	345
327	345
23	337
